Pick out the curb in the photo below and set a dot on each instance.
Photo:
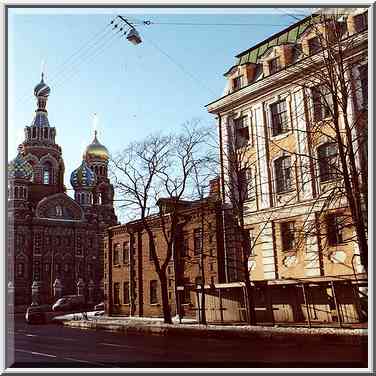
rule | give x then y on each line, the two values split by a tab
230	333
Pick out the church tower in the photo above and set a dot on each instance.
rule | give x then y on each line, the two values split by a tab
41	151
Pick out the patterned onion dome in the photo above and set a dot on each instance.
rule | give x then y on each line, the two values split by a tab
97	150
42	90
83	176
19	168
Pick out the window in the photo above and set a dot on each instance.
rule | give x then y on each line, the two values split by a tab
126	293
251	241
363	77
116	293
185	247
335	225
20	269
150	247
241	131
361	22
211	267
47	173
187	292
327	155
116	259
197	238
274	65
59	211
283	173
153	292
170	283
314	45
125	252
66	268
47	268
237	83
279	117
198	280
287	235
246	184
169	269
322	103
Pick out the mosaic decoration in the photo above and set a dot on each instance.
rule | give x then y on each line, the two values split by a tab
83	176
19	168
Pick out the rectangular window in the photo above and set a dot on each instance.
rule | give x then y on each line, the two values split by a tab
279	117
150	248
116	258
251	241
246	184
185	244
237	83
361	22
322	103
363	77
211	267
125	252
283	171
288	235
126	293
274	65
116	293
170	282
327	155
314	45
241	131
187	292
335	225
197	237
153	292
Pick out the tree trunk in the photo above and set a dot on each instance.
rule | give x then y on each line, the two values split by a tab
164	293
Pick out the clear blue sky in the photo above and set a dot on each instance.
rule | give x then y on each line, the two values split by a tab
135	90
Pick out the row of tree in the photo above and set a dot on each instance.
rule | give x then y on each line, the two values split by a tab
153	175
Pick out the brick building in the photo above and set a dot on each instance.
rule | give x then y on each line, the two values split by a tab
55	243
131	283
304	260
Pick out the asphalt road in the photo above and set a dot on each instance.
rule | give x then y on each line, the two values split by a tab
58	346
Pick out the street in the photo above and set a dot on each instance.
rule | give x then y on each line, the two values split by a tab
58	346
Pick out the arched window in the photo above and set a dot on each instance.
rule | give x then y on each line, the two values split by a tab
16	192
47	173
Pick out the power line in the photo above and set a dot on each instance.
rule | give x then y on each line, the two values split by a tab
209	24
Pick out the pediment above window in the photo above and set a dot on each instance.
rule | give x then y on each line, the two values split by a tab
59	207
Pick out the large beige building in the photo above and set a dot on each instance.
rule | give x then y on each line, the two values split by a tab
277	114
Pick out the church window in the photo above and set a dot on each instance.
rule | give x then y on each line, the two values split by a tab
16	192
59	211
20	269
47	173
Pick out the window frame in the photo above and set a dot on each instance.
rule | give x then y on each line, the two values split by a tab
283	180
287	233
237	82
241	131
153	291
321	109
197	239
274	65
126	292
116	289
280	123
323	161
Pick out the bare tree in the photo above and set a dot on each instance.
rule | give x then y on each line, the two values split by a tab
154	176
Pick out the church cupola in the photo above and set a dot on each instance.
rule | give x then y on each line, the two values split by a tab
97	157
39	129
83	181
20	174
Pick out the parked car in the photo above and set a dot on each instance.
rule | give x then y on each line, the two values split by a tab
69	302
37	314
99	307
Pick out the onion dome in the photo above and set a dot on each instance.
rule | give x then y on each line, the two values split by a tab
83	176
40	120
19	168
42	90
96	150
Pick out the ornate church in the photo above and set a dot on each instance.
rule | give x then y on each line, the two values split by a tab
55	242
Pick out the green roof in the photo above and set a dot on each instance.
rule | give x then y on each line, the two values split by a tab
289	35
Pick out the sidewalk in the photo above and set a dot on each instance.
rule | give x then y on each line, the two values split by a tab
155	326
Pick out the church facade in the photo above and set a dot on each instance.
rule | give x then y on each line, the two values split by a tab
55	242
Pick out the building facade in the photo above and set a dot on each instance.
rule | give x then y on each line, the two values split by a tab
55	242
304	259
131	282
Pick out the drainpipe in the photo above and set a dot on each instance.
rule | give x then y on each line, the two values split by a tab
223	195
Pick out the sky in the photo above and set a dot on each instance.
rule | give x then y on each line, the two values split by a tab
156	86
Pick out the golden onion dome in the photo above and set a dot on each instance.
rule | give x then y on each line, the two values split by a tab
96	150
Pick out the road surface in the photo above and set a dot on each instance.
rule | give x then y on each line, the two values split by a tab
58	346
